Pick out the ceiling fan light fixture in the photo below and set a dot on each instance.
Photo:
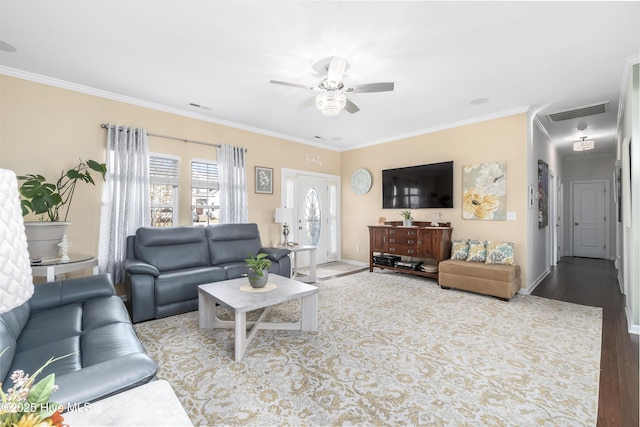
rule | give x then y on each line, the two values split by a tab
330	102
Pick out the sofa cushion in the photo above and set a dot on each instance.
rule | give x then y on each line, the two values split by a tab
172	248
182	285
50	325
12	324
503	273
460	249
109	342
500	253
477	251
235	269
230	243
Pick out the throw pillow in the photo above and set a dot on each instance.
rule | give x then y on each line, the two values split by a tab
500	253
477	251
460	249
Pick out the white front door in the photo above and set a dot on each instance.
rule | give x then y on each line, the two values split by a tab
312	215
589	219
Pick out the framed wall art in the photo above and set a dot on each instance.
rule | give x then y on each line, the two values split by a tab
264	180
543	194
484	191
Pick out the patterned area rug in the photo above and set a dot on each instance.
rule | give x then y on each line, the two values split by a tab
391	349
325	271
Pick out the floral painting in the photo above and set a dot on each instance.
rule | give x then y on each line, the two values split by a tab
484	191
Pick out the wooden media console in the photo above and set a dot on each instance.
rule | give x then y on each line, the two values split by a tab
420	241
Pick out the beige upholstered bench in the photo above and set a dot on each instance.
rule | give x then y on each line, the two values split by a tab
502	281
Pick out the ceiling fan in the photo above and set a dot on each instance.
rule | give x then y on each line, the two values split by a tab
332	99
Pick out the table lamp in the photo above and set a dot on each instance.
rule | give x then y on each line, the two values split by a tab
16	283
284	216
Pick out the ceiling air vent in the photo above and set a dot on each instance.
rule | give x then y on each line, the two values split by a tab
589	110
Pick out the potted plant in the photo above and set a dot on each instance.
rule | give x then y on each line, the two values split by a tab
50	198
407	217
258	270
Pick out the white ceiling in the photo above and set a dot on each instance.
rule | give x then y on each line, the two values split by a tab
546	56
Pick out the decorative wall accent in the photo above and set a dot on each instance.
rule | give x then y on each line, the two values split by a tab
484	191
543	194
313	160
264	180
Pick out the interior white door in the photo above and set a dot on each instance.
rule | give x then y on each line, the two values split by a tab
311	217
589	219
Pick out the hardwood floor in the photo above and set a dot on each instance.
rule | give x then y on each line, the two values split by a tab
594	282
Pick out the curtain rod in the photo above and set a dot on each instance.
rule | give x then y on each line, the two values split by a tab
105	126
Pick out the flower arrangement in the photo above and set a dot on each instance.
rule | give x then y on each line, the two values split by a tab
27	404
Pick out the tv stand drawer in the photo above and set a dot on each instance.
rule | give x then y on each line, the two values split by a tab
402	250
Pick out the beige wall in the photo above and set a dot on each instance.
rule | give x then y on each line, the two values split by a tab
501	139
45	129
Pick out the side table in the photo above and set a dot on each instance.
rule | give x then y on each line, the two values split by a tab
312	261
151	404
52	267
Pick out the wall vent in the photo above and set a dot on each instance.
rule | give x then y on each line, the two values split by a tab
588	110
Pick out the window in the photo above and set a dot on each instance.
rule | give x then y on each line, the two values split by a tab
163	171
205	192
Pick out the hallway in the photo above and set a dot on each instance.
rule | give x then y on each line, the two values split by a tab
594	282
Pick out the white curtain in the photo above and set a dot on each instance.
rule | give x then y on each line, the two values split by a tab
125	196
233	184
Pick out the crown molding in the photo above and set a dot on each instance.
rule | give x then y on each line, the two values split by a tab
37	78
87	90
624	87
541	127
493	116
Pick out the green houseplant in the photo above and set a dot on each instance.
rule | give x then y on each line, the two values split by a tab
52	199
258	270
407	217
42	197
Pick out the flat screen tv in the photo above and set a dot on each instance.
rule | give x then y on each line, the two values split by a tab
416	187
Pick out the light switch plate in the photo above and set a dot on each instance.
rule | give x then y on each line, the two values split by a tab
511	216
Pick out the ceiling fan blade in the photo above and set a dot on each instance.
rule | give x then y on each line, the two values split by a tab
371	87
278	82
305	104
350	107
336	70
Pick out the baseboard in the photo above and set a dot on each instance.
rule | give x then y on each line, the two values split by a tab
633	329
620	283
352	262
529	289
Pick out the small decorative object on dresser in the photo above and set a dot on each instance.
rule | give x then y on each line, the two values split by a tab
407	217
437	219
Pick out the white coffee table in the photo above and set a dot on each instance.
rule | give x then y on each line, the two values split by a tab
237	296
